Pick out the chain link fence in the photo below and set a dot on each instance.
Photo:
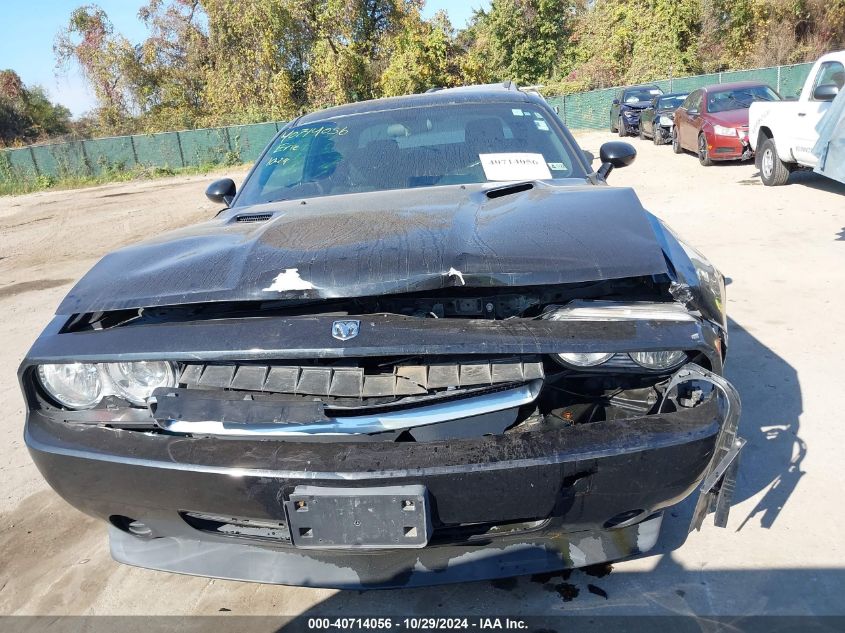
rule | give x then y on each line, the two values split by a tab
243	143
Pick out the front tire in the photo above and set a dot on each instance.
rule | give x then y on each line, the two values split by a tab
676	142
656	134
641	132
773	171
703	153
620	126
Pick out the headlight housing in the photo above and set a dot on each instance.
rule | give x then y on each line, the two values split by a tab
667	120
660	359
135	381
83	385
585	359
73	385
721	130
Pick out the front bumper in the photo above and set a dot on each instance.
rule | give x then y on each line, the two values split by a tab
730	147
631	120
547	500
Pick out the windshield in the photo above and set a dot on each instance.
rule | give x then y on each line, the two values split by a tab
671	102
412	147
636	95
739	98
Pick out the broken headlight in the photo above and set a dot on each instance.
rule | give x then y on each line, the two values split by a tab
662	359
83	385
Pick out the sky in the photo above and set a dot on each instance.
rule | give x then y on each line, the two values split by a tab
26	45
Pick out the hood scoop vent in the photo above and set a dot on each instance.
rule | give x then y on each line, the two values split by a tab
508	190
253	217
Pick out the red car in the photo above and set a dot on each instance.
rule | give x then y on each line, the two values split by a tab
713	121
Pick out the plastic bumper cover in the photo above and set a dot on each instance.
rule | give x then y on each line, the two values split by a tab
572	483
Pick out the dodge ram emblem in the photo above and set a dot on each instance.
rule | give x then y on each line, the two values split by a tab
345	330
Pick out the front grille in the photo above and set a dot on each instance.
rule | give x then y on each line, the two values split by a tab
358	382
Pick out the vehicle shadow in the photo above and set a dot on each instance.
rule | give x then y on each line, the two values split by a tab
814	181
670	588
771	460
771	464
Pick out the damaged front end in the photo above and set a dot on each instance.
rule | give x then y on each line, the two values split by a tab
395	441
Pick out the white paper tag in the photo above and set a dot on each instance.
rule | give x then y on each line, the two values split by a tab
515	166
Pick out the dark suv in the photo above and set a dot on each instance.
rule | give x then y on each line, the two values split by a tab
627	105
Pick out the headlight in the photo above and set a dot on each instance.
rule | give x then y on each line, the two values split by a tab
75	385
585	359
136	381
629	113
721	130
663	359
666	120
83	385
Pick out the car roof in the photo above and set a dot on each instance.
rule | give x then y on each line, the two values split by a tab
507	92
733	86
833	56
638	86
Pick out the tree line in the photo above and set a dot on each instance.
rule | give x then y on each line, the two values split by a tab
217	62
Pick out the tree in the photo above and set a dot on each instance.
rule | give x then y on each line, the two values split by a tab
107	60
423	56
350	45
26	113
251	73
523	40
170	79
620	42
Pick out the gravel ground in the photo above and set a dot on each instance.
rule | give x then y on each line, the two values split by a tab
783	250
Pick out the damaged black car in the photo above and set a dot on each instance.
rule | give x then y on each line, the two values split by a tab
424	342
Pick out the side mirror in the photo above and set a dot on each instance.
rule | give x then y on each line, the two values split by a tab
826	92
221	191
616	102
615	154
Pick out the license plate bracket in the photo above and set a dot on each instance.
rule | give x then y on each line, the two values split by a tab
384	517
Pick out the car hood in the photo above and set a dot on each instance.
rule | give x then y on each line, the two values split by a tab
636	105
384	242
730	118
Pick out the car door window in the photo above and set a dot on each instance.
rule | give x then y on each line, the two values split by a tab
830	73
694	105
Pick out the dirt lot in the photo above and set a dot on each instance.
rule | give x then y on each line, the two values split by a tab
783	250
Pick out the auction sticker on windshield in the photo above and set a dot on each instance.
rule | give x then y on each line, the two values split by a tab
515	166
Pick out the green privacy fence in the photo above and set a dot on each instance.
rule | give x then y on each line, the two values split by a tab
243	143
189	148
591	110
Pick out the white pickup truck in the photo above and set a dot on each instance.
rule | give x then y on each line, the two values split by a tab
784	132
